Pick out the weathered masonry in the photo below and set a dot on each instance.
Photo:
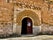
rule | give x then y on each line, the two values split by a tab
26	17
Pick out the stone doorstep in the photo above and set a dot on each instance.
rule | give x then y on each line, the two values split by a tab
27	35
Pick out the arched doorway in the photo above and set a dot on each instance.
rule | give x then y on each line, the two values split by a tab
26	26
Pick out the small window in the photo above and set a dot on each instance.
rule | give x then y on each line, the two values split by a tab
7	1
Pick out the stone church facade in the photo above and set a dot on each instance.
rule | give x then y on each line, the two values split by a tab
26	17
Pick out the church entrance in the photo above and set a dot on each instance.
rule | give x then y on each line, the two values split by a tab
26	26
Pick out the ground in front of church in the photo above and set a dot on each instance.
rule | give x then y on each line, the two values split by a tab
39	37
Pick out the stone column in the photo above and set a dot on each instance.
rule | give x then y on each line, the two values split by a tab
16	11
14	24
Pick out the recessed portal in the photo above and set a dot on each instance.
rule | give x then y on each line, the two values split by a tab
26	26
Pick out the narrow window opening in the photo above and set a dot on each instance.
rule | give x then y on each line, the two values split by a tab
7	1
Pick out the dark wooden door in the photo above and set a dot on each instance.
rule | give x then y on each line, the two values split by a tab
26	26
29	26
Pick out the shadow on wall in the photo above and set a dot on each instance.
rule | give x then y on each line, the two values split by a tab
45	30
9	36
16	35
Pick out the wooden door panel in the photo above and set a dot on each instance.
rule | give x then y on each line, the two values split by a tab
26	26
29	26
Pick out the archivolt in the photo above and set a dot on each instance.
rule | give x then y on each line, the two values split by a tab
30	14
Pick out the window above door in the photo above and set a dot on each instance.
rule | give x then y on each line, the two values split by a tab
8	1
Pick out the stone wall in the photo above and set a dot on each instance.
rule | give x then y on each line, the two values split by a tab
46	29
6	29
7	14
6	18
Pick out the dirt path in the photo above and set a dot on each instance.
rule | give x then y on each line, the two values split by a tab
43	37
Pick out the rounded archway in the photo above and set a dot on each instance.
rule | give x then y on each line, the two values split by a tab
28	13
26	26
33	16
